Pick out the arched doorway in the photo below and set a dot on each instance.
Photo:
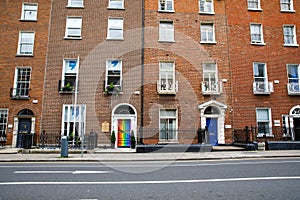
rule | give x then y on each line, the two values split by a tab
124	123
24	128
295	122
212	116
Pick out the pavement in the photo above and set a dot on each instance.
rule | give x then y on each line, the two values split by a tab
9	154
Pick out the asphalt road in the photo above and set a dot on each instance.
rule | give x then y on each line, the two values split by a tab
227	179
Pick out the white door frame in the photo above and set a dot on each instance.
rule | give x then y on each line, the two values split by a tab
220	116
116	117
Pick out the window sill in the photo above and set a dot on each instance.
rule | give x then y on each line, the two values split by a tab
28	20
79	7
208	42
255	9
210	93
162	92
260	135
67	92
112	8
72	38
112	39
20	97
166	11
112	93
207	13
24	55
168	142
291	45
258	44
288	11
165	41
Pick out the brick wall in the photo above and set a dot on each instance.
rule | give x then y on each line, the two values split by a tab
11	24
273	53
188	55
93	50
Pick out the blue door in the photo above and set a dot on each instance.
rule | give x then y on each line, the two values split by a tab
212	127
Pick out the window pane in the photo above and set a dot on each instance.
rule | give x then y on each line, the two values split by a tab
166	31
168	113
71	66
205	6
75	3
259	70
293	72
116	3
207	32
262	115
29	11
3	121
74	22
115	28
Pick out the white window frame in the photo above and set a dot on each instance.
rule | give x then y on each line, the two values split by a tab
113	26
211	84
206	6
23	41
254	5
168	119
69	116
254	34
70	25
266	121
3	123
167	83
116	4
29	11
113	74
75	4
70	74
293	83
287	3
22	82
163	5
166	31
261	85
207	29
290	33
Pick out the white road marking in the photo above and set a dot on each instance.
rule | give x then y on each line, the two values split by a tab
43	172
91	172
155	182
62	172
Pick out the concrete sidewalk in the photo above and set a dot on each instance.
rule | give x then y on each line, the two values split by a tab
111	155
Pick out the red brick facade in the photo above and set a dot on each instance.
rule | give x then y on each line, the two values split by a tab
210	42
188	56
11	24
93	50
274	53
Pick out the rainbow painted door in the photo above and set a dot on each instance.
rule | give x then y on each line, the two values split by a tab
124	128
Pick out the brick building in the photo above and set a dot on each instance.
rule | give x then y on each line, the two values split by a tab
157	69
187	75
24	35
93	70
265	66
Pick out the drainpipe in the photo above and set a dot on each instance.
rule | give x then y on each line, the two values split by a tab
142	73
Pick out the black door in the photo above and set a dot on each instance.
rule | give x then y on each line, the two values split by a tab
24	135
297	128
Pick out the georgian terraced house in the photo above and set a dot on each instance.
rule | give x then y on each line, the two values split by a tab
24	39
156	69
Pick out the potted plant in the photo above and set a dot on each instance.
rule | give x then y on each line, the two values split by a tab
132	140
68	87
111	89
113	139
